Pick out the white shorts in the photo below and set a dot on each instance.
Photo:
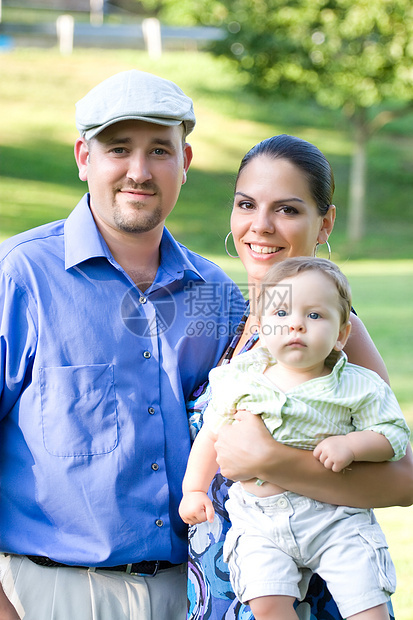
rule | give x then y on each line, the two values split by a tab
276	543
42	593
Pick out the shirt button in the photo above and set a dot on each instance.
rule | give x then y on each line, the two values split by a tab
155	466
151	410
142	299
146	354
159	522
282	503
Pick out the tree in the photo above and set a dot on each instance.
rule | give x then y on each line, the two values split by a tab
353	55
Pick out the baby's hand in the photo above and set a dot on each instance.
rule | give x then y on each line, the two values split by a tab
334	452
196	507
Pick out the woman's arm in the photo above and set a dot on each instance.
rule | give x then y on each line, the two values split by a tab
361	350
247	450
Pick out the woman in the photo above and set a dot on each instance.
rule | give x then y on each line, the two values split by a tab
282	208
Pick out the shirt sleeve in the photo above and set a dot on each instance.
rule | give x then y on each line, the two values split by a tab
18	339
383	415
221	408
234	389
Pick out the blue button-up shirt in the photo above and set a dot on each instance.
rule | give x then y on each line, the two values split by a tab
93	381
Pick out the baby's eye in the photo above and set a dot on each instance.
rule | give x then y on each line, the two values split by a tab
281	313
314	315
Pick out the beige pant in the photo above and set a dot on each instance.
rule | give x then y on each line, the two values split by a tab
40	593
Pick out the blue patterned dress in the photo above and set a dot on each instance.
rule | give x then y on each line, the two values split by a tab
210	596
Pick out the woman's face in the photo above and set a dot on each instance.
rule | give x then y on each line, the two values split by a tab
275	216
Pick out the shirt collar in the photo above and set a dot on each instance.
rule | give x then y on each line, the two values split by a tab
82	238
83	241
339	365
175	259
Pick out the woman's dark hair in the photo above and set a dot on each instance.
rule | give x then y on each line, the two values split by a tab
304	156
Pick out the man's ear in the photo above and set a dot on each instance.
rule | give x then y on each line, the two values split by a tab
343	337
82	157
187	160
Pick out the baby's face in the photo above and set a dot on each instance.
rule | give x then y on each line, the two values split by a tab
301	320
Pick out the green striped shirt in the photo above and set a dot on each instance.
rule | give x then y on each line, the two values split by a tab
350	398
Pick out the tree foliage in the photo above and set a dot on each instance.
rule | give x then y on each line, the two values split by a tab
188	12
353	55
344	52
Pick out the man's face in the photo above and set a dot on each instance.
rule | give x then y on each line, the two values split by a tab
134	172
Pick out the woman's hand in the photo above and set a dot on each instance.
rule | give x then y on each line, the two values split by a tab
241	447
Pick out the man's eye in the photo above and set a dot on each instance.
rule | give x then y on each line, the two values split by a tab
159	151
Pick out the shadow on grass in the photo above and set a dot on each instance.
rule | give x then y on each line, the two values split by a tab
41	184
201	217
45	161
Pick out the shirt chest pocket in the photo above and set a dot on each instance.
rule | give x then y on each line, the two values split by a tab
79	415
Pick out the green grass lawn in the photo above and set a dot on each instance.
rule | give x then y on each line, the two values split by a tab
38	183
38	90
397	526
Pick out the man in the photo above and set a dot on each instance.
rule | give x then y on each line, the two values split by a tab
107	324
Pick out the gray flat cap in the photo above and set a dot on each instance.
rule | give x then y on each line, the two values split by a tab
133	95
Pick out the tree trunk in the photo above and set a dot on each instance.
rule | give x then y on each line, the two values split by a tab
358	180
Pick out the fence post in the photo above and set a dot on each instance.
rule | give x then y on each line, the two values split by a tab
96	12
151	28
65	25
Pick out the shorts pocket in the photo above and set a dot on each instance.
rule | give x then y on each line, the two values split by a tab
79	415
375	543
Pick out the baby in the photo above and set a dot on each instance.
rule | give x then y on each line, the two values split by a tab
309	397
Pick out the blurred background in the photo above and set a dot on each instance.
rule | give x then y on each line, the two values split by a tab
338	73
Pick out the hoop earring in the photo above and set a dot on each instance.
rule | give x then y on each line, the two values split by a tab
328	248
226	246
